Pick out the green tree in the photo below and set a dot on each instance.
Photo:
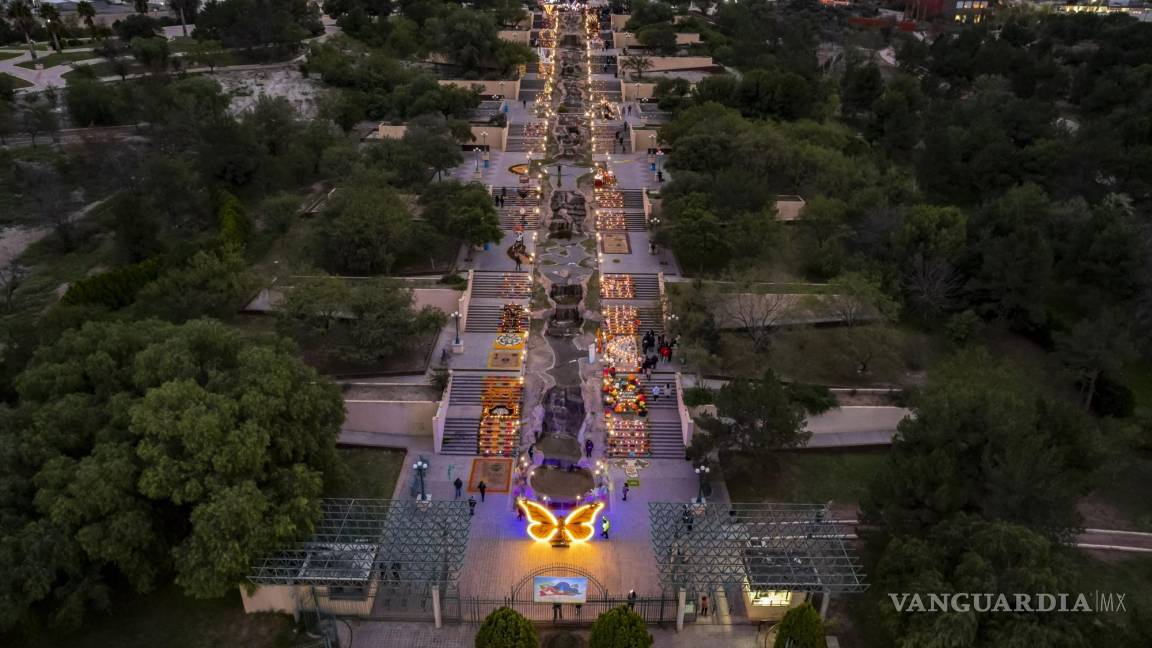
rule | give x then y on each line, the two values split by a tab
755	419
152	53
51	17
204	52
212	283
861	86
21	14
144	449
249	24
87	12
659	38
984	441
967	554
1095	347
506	628
186	10
637	64
1014	260
801	627
464	212
366	227
435	141
619	628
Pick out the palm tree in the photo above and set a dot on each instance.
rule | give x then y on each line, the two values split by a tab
185	8
51	17
21	15
87	12
637	64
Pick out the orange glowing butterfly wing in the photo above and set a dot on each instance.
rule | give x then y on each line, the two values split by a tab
581	522
542	525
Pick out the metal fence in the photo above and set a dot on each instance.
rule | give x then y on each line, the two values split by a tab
470	609
404	603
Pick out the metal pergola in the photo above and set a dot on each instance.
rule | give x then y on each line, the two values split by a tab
755	546
361	540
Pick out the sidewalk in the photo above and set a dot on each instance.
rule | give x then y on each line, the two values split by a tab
375	634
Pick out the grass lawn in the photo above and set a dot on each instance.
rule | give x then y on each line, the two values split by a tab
168	618
14	81
4	56
59	58
367	472
812	476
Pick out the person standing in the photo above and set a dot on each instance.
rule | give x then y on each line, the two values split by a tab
704	605
625	491
605	525
471	505
532	453
459	488
631	599
557	612
588	445
483	488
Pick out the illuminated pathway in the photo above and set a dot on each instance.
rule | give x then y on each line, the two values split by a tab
500	554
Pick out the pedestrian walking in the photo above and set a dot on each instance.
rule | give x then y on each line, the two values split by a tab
483	488
471	505
666	353
532	453
605	525
459	488
588	448
631	599
625	491
659	176
496	201
557	612
655	392
525	102
704	605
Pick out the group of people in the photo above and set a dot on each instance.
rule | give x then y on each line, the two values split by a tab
661	345
482	487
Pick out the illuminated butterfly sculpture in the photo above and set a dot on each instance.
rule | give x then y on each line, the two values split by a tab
578	526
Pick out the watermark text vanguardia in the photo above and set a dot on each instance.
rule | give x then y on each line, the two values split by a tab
1019	602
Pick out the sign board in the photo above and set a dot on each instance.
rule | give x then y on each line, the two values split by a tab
559	589
632	483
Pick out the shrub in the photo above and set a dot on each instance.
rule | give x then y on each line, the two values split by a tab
506	628
619	628
801	627
694	396
815	399
114	289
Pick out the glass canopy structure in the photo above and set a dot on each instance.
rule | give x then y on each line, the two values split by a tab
756	546
361	541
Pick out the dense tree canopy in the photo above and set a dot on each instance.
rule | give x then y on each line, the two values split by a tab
141	450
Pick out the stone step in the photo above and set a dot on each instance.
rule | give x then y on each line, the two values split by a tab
644	286
503	285
485	318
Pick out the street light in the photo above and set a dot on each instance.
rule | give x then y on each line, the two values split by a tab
456	317
702	473
420	466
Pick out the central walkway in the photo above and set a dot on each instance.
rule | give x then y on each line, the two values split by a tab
608	251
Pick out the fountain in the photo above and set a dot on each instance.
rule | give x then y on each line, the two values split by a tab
565	321
567	294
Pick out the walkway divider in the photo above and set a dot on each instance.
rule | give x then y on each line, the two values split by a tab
441	416
687	425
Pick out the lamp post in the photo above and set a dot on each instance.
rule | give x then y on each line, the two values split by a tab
420	466
702	473
456	317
